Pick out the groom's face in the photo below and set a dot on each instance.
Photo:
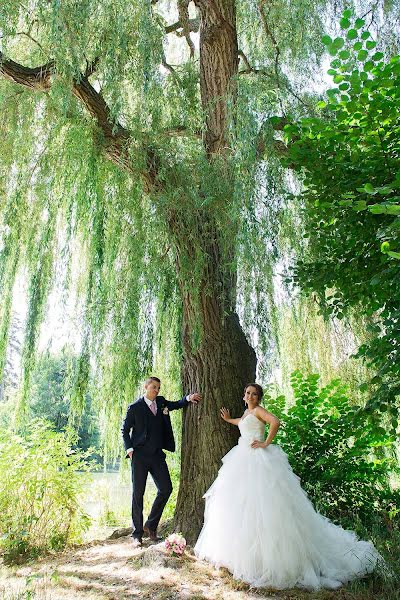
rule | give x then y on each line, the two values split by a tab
152	389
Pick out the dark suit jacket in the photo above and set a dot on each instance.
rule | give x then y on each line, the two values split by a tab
135	426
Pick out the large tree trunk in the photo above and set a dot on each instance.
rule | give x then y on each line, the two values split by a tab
219	366
223	362
218	69
219	369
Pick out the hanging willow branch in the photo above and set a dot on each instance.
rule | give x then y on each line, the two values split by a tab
270	34
265	141
116	139
249	69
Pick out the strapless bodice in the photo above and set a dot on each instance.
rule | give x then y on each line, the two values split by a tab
251	429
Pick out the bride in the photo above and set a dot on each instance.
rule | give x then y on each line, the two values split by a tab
260	524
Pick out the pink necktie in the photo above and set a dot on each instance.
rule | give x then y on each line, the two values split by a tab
153	407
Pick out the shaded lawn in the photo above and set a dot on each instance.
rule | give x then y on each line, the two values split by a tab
113	570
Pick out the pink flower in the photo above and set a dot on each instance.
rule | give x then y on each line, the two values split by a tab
175	544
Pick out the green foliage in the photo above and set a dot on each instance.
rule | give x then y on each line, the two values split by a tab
40	489
343	460
50	400
350	158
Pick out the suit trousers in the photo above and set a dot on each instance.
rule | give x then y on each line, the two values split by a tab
142	464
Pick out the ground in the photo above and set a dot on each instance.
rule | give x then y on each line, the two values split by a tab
113	570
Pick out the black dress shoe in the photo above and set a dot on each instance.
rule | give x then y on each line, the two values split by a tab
137	542
151	534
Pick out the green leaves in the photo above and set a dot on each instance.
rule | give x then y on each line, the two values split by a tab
41	487
338	42
352	34
385	249
351	200
385	209
326	40
336	449
377	56
333	45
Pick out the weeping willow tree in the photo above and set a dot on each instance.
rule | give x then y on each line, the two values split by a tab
130	165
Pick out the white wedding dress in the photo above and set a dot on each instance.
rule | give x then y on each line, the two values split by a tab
260	524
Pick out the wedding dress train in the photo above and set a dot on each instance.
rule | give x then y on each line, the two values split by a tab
260	524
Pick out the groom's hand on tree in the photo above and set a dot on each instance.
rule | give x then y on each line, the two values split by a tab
195	398
130	454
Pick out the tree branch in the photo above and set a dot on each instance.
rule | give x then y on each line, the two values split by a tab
249	69
116	139
269	33
181	131
264	136
183	9
28	35
167	66
91	66
193	25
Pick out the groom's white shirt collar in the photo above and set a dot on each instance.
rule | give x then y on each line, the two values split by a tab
148	402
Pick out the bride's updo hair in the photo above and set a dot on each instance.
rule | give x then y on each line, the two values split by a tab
259	389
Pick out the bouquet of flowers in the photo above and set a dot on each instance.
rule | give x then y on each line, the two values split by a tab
175	544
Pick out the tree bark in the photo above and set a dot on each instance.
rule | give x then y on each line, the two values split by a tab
219	369
224	361
219	62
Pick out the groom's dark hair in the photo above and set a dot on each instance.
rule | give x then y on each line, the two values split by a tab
152	379
259	389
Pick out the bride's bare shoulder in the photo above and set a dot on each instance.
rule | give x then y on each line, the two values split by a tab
264	415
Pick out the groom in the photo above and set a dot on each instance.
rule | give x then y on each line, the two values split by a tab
146	430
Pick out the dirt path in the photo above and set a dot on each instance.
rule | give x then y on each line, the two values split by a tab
113	570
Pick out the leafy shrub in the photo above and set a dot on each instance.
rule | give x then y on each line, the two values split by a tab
344	461
40	489
349	155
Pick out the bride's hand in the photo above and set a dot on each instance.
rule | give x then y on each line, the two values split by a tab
258	444
225	414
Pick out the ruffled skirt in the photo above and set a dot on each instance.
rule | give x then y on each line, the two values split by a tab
260	524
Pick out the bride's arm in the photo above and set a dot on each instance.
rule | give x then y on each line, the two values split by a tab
227	417
273	422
